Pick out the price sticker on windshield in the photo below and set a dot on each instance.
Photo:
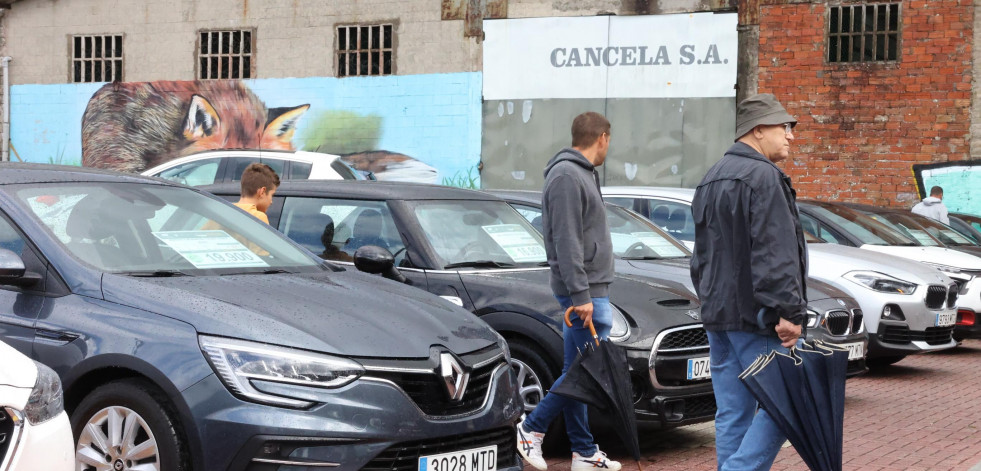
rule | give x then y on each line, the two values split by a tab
210	249
516	242
662	246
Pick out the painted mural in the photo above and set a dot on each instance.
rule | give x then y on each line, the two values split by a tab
423	128
959	180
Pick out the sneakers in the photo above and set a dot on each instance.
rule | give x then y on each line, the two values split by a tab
598	461
530	447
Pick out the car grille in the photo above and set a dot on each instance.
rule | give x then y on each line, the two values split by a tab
6	433
838	322
690	338
952	295
429	392
935	297
902	334
857	318
405	456
700	406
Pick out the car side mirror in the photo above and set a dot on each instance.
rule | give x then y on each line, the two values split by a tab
378	261
13	272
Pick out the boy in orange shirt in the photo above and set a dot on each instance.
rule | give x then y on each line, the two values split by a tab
259	183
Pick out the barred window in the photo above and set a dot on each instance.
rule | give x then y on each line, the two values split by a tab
864	33
365	50
226	54
97	58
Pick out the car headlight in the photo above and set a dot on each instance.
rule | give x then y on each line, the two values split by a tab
239	362
812	318
881	282
620	329
46	400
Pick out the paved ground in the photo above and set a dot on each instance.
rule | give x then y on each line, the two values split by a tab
922	413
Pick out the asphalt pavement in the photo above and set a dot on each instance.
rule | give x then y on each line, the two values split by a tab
923	413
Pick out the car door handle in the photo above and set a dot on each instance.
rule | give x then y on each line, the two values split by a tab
54	336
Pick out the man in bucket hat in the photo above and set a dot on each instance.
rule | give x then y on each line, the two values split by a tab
748	268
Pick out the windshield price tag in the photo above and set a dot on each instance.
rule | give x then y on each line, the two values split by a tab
922	237
210	249
662	246
516	242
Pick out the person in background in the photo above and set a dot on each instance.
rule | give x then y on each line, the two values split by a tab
259	183
932	206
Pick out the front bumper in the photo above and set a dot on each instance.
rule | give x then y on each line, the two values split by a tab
369	424
911	327
48	446
895	338
663	395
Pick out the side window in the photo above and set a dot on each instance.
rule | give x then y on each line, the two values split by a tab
235	167
199	172
334	228
532	215
811	225
278	166
673	217
300	170
620	201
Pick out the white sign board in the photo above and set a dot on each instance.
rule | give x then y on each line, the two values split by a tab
662	56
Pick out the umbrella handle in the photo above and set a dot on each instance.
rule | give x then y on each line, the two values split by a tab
592	329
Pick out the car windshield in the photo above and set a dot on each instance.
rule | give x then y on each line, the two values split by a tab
925	230
479	234
635	238
156	230
867	230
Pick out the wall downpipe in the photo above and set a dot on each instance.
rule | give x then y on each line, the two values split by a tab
5	148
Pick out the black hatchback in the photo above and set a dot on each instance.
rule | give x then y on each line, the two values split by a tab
475	250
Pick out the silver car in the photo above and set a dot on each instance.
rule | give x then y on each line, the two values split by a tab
908	306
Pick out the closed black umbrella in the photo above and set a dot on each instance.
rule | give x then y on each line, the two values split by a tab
803	392
600	378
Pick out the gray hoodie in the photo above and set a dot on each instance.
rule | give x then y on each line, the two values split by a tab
932	208
577	238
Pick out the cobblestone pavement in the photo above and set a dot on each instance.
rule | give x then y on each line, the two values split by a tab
919	414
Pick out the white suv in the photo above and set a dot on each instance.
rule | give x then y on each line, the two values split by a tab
217	166
34	431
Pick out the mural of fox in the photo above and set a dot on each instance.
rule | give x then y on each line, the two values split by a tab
133	126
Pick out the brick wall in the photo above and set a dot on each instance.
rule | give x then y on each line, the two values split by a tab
862	127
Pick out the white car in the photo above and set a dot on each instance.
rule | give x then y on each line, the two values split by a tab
904	310
217	166
35	434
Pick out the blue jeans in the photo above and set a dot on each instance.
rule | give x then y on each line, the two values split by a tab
745	438
576	419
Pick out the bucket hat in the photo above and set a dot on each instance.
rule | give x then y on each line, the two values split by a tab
760	109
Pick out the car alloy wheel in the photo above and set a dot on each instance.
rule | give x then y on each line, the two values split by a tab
117	439
529	385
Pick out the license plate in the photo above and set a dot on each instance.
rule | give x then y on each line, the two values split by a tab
855	350
946	319
474	459
698	368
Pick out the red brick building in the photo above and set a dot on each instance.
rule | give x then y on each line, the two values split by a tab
869	111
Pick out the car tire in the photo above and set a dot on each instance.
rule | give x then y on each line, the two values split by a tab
882	362
530	366
141	416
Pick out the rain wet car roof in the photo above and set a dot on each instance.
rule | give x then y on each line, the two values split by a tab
363	189
14	173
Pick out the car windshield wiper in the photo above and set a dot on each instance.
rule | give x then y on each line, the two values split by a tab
480	264
643	257
270	271
155	273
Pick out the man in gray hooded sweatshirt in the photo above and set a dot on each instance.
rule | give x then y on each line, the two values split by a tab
580	255
933	206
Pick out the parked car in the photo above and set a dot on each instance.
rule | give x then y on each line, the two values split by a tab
227	165
965	228
834	317
34	430
204	339
972	219
838	224
923	326
475	250
668	208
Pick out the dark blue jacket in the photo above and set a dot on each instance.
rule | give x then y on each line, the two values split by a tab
749	246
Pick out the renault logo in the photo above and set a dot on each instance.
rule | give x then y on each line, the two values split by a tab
453	376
